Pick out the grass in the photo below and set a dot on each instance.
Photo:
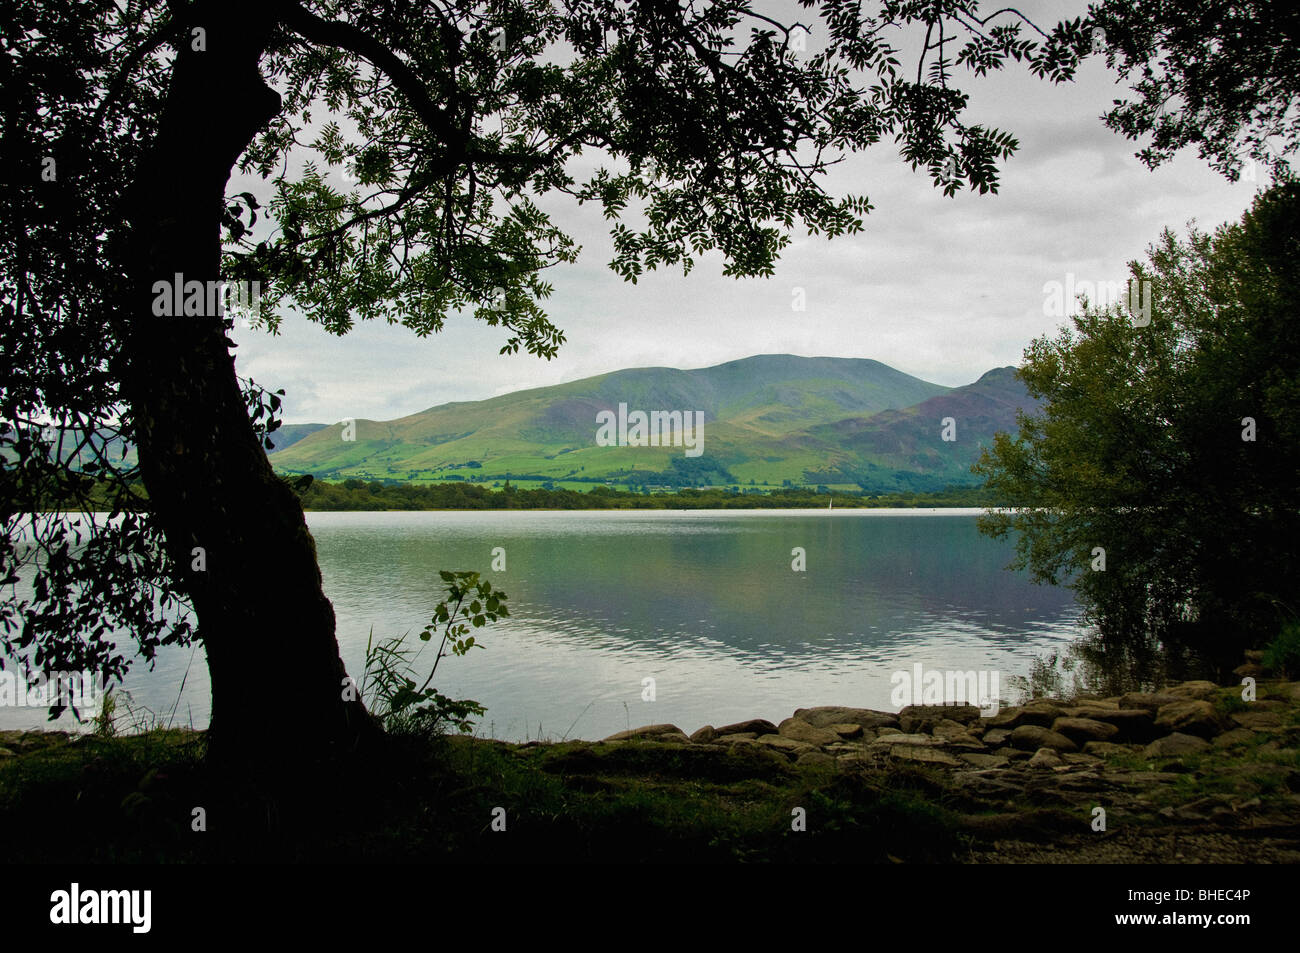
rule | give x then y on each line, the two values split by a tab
131	798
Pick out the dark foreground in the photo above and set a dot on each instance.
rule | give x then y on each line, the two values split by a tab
1193	774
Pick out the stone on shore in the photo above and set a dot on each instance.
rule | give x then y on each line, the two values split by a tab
650	733
1083	730
1033	737
915	718
756	726
1174	746
1045	758
827	715
1189	718
800	730
923	755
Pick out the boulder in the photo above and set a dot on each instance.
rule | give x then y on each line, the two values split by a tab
848	730
650	733
1033	737
755	726
1045	758
924	741
1037	712
1105	749
1233	737
1083	730
1249	670
1189	718
948	730
1151	701
1256	719
996	736
979	760
1013	754
924	755
814	758
787	745
1078	757
735	738
704	735
1132	724
1200	690
800	730
916	718
1174	746
828	715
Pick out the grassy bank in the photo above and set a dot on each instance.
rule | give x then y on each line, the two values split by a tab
133	798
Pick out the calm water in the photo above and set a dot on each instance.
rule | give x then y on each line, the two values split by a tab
705	603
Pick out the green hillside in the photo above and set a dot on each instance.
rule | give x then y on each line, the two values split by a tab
767	419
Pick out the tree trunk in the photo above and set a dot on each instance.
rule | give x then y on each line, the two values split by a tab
277	679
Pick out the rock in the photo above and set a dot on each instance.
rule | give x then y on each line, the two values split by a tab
983	760
848	730
1083	730
881	732
1174	746
6	753
1133	724
1256	719
1189	718
1077	757
733	739
755	726
1037	712
916	718
787	745
650	733
800	730
996	736
1148	700
814	758
1105	749
1199	690
1253	655
705	735
1045	758
1233	737
1087	703
828	715
948	729
924	741
1033	737
1013	754
1249	670
923	755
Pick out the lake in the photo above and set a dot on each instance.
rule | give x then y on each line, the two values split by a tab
705	603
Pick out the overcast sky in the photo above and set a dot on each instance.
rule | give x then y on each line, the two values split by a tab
942	288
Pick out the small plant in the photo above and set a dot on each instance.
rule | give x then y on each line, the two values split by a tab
1282	655
105	725
387	685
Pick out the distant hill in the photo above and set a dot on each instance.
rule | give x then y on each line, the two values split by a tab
286	435
768	419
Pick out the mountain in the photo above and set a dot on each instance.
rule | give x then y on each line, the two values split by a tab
768	419
286	435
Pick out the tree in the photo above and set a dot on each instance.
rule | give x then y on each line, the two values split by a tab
122	125
1224	77
1161	475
